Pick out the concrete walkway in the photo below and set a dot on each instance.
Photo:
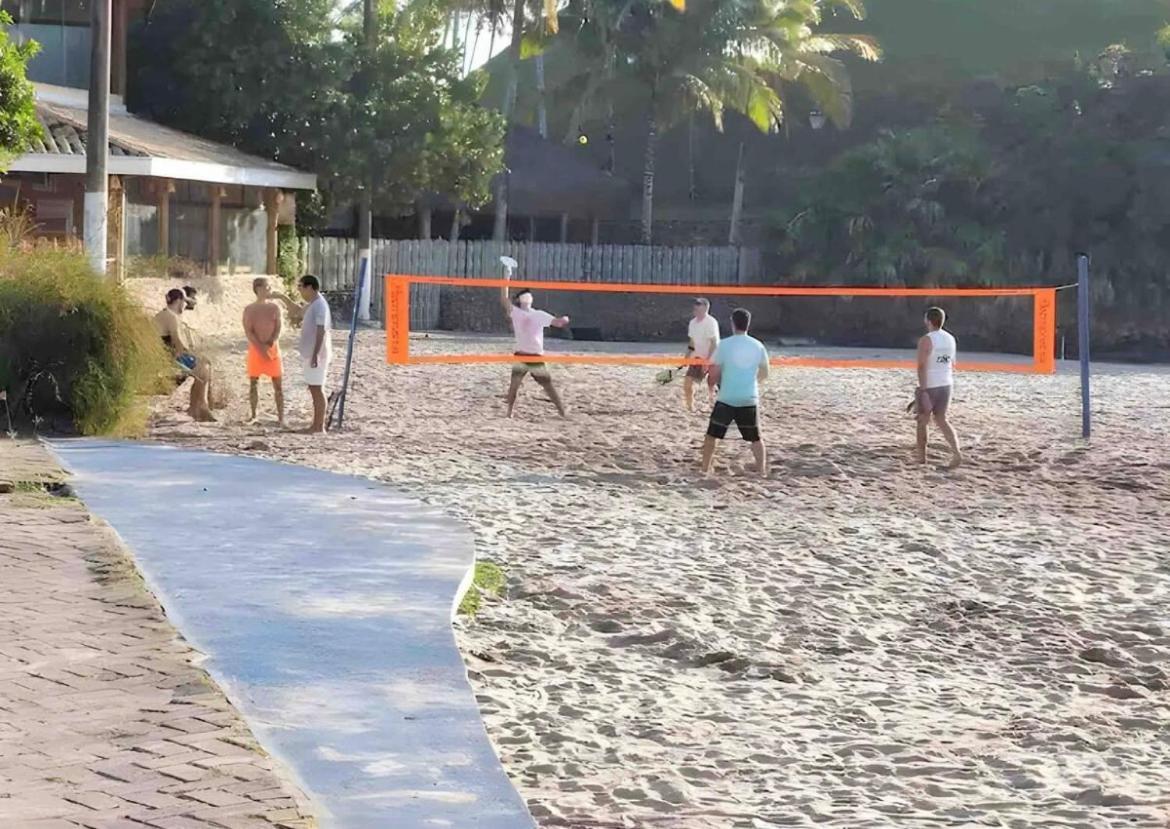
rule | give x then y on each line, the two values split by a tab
324	604
106	719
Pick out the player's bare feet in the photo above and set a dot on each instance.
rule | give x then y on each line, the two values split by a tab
919	459
956	462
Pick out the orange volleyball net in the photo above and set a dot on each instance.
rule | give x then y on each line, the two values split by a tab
397	304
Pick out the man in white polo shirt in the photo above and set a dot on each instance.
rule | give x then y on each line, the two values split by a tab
703	339
315	347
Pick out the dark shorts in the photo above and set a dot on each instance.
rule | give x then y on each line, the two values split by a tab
698	372
746	419
934	401
538	370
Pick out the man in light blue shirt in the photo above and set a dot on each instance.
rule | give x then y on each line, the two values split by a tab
738	365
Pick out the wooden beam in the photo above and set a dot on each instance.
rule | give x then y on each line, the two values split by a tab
116	225
595	231
424	223
564	228
272	200
215	231
164	188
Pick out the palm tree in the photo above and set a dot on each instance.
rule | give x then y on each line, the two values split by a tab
742	55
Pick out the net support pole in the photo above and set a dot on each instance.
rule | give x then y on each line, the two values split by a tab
1083	343
397	295
1044	331
359	290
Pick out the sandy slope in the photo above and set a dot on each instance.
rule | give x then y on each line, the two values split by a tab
852	643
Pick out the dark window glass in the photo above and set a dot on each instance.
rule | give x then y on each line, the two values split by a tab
48	12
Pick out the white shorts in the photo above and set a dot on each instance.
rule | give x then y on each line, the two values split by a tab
315	376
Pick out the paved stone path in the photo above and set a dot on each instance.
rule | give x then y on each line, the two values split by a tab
323	603
106	719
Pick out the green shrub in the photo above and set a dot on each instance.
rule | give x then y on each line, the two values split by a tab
288	261
72	343
489	580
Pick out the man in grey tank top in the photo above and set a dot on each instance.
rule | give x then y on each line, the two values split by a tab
936	367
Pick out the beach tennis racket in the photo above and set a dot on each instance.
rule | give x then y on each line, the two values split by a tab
331	408
667	375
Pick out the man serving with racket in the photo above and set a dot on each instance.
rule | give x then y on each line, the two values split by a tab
528	324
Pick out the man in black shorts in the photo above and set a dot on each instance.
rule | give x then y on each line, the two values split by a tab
738	365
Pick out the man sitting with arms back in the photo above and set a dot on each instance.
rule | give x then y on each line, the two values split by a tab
177	339
738	365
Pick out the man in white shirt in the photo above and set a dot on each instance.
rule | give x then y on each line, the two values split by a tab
936	377
703	339
528	324
315	347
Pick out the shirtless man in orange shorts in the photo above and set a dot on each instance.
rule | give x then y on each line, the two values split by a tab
262	324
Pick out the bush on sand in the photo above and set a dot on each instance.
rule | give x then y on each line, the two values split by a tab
73	344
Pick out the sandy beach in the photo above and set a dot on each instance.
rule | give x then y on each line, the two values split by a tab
854	642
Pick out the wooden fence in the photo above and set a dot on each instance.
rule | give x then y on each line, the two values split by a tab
335	262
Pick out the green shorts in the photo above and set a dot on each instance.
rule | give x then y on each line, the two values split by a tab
538	369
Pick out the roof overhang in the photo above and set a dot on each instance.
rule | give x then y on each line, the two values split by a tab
140	147
150	167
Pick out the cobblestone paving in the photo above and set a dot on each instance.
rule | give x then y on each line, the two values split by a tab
106	719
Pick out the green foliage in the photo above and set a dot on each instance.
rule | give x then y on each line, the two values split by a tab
288	257
489	580
1009	193
295	81
72	343
18	116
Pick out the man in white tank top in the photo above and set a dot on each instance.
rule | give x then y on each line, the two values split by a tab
936	376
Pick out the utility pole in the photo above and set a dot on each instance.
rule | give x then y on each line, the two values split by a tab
97	137
366	205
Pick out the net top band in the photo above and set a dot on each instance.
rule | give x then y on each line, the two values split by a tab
715	290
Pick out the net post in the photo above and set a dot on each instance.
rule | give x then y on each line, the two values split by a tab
1083	342
359	288
397	320
1044	331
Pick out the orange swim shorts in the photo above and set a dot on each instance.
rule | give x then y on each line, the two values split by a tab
264	365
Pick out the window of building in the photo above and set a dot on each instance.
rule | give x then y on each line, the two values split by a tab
48	12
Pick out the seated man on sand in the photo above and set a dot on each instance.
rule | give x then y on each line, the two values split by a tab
177	338
262	324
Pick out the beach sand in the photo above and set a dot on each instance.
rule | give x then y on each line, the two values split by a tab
854	642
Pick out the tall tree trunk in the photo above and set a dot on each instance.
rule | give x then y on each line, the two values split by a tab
648	179
692	191
500	230
611	148
456	224
514	58
470	62
736	200
366	203
467	40
541	109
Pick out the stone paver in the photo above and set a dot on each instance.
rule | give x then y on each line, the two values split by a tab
106	722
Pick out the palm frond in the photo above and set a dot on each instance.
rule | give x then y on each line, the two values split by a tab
863	46
854	7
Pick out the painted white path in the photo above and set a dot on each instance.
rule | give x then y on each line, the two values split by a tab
324	605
